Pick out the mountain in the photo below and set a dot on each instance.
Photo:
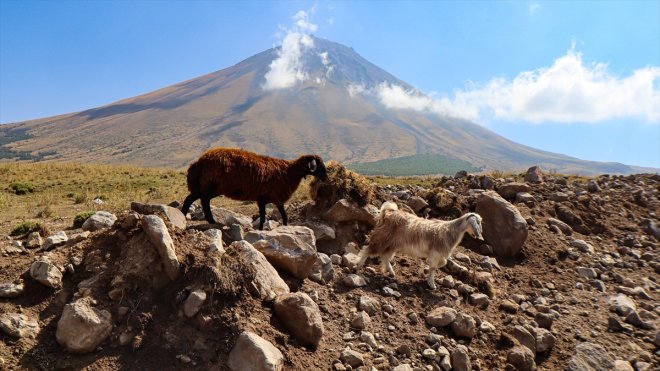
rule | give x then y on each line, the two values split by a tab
330	113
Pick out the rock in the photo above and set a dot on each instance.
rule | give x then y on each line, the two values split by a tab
350	260
58	239
544	320
417	203
369	339
173	215
558	197
524	337
252	352
290	237
583	246
460	359
620	365
388	291
651	227
429	353
503	226
461	174
479	300
301	316
464	326
11	290
403	367
298	262
360	320
525	198
19	325
354	280
635	319
568	216
100	220
322	272
215	246
534	175
46	273
613	324
521	358
351	358
590	357
345	211
368	304
563	227
81	327
322	231
587	272
235	233
545	340
34	240
159	236
441	317
194	303
267	283
509	190
621	304
130	221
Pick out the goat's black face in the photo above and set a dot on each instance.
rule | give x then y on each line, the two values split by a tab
317	168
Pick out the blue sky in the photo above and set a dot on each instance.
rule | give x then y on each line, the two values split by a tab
579	78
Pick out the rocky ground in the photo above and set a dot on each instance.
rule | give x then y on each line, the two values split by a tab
567	279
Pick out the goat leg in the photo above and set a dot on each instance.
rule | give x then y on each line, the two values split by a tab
262	213
285	219
188	202
206	206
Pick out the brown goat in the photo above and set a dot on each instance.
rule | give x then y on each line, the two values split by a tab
247	176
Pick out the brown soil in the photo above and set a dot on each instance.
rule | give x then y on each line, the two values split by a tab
160	334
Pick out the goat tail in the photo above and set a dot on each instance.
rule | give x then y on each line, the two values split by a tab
194	177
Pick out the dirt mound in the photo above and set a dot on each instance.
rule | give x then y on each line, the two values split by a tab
589	240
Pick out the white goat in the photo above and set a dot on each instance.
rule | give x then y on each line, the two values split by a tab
399	231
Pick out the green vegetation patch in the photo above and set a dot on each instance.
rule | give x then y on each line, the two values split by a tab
24	227
80	218
422	164
22	188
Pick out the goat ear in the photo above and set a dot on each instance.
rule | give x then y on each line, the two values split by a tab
312	166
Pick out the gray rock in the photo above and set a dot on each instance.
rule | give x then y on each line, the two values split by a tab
368	304
587	272
524	337
558	197
464	326
172	215
651	227
360	320
46	273
11	290
267	283
403	367
503	226
130	221
159	236
81	327
460	359
441	316
345	211
19	325
299	262
58	239
322	231
522	358
322	272
354	280
100	220
301	316
351	358
544	320
429	353
593	187
252	352
563	227
290	237
590	357
350	260
215	246
223	217
479	300
621	304
369	339
634	319
583	246
194	303
234	233
545	340
34	240
525	198
534	175
509	190
613	324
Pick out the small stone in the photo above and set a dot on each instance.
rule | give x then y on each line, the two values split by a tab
19	325
509	306
460	359
11	290
464	326
55	240
521	358
368	304
441	316
194	303
587	272
360	320
583	246
354	280
46	273
352	358
479	300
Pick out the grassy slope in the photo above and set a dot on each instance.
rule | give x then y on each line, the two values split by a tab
423	164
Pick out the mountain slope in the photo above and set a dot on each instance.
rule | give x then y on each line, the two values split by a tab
174	125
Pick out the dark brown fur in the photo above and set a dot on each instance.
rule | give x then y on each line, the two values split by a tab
247	176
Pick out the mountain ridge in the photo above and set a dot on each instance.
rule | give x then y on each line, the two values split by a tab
173	125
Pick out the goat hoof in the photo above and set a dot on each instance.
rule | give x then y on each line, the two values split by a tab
432	286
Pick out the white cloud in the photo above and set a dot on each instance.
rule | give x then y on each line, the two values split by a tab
355	89
329	67
287	69
569	91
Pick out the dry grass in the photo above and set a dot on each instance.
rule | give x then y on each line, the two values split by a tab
341	183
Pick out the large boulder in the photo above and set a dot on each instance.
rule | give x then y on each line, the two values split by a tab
510	190
157	232
534	175
503	226
301	316
19	325
173	215
590	357
322	231
252	352
267	283
46	273
290	248
100	220
82	327
346	211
